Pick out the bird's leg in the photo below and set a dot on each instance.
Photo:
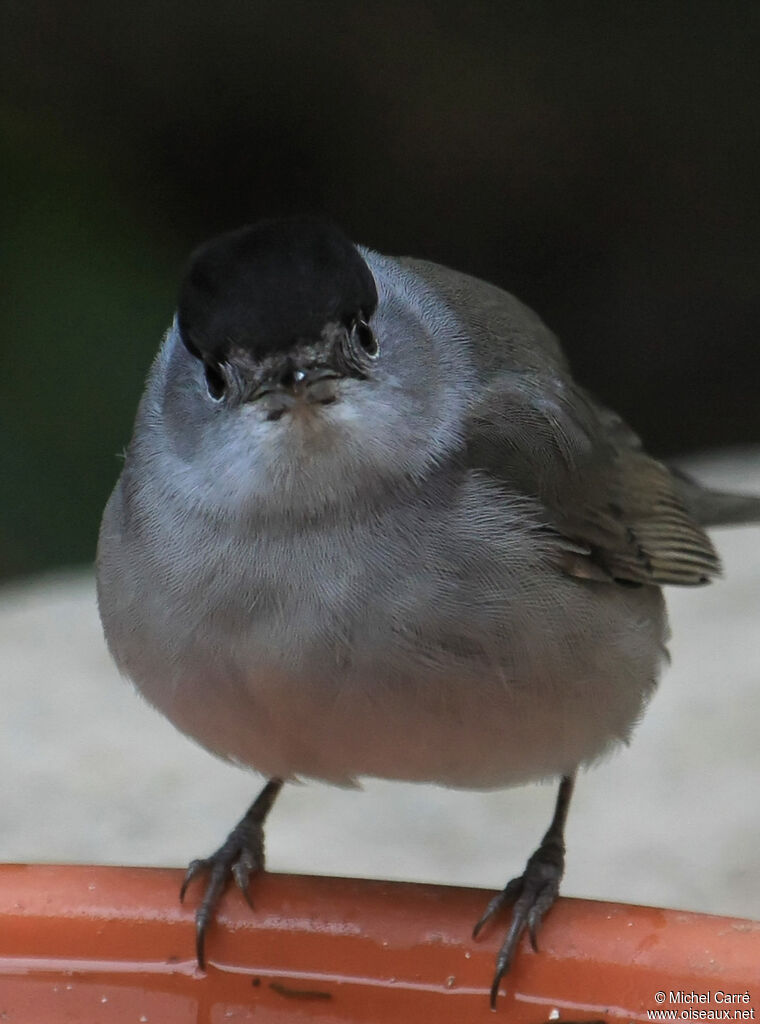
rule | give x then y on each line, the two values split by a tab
535	891
241	856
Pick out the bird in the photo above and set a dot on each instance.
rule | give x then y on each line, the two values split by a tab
369	525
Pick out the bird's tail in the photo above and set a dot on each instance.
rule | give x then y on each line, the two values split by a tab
715	508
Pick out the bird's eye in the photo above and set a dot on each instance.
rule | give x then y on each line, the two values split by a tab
364	336
215	382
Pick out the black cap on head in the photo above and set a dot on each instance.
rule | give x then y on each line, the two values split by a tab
265	286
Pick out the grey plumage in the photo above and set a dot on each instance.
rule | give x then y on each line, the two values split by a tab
444	564
427	554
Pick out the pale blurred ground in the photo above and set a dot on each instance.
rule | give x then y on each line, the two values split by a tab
90	773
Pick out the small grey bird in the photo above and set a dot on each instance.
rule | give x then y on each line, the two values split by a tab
369	525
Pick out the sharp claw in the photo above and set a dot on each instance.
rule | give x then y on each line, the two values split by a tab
536	915
242	875
495	990
218	875
479	926
200	935
214	890
490	910
194	868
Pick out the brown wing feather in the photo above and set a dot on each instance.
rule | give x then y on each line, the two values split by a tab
546	437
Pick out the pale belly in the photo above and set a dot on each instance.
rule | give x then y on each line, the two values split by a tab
565	699
480	668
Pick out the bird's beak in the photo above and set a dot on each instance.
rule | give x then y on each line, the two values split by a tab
301	381
297	386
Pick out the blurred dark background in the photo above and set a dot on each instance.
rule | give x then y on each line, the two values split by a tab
598	159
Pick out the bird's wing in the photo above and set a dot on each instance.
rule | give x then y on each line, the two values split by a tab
545	437
537	432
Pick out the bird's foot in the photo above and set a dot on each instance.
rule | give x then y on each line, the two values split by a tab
239	858
531	896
